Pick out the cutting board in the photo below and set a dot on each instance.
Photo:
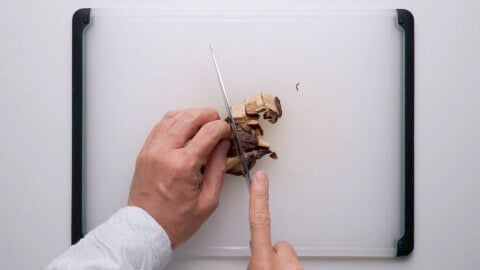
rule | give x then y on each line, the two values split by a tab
343	182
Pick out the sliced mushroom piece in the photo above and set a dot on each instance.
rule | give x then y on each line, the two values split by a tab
255	104
278	105
258	130
272	103
252	122
232	162
274	110
271	116
238	112
262	142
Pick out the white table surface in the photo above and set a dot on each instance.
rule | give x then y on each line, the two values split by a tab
35	131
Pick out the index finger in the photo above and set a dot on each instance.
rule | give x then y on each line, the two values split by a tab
178	127
259	217
207	138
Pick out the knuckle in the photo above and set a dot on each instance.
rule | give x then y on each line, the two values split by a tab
224	125
214	112
142	158
261	196
169	118
191	165
155	160
192	115
219	165
222	128
157	126
260	220
185	164
211	128
157	129
149	159
204	209
214	204
170	114
211	113
211	203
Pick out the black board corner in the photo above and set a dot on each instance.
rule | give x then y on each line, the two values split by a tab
81	16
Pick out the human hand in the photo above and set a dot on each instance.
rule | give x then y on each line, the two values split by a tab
264	256
168	182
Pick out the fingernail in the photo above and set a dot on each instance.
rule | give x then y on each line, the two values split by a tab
261	178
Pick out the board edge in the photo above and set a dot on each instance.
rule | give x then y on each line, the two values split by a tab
80	20
405	243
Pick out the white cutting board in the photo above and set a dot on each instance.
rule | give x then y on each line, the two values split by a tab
336	189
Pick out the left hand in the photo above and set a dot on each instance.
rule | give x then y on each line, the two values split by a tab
265	256
168	182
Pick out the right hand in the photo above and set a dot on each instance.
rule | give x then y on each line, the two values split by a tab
264	256
168	183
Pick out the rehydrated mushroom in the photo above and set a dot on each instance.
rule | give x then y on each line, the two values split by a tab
246	116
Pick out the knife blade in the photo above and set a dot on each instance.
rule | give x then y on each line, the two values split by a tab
233	127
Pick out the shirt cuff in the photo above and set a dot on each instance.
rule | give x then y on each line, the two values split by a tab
137	226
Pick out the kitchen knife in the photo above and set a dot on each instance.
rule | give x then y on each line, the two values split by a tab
236	138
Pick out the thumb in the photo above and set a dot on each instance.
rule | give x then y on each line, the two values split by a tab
261	243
